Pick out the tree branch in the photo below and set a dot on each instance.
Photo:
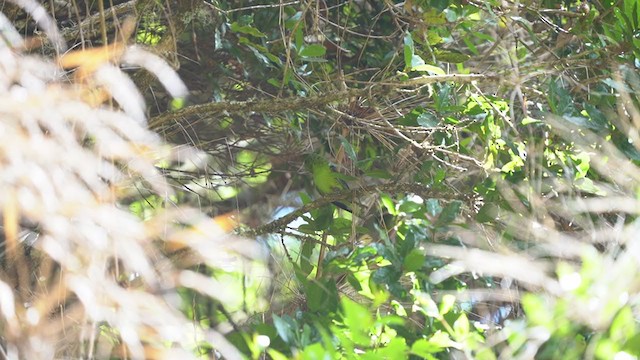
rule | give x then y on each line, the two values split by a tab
277	105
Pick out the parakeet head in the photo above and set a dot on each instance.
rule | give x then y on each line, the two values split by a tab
313	161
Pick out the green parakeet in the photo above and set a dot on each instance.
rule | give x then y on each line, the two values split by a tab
326	179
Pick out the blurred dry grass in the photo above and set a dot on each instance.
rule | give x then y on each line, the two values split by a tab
575	243
92	280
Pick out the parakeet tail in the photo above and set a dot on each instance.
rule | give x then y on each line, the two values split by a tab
342	206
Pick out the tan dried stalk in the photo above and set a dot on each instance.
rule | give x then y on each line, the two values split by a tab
82	276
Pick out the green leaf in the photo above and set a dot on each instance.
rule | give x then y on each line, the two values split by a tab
442	339
299	38
395	349
285	327
385	275
560	101
354	282
426	304
348	149
631	12
409	206
276	355
623	22
450	56
408	50
487	213
433	38
292	21
537	311
391	320
322	218
177	103
388	204
274	82
435	16
313	50
608	349
485	353
583	122
321	295
424	348
358	320
409	243
623	326
379	174
416	61
246	29
461	326
471	46
439	176
307	229
433	207
598	119
427	120
627	148
447	304
413	261
442	98
632	345
428	68
315	351
305	257
529	120
450	212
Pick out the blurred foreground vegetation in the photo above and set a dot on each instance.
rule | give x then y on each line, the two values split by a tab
478	163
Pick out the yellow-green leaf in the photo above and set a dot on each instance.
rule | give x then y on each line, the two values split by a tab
429	68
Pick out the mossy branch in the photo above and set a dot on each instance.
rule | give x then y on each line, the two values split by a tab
278	105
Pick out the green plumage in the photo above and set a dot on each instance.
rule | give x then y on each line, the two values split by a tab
325	179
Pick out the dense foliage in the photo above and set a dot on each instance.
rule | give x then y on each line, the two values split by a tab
430	179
